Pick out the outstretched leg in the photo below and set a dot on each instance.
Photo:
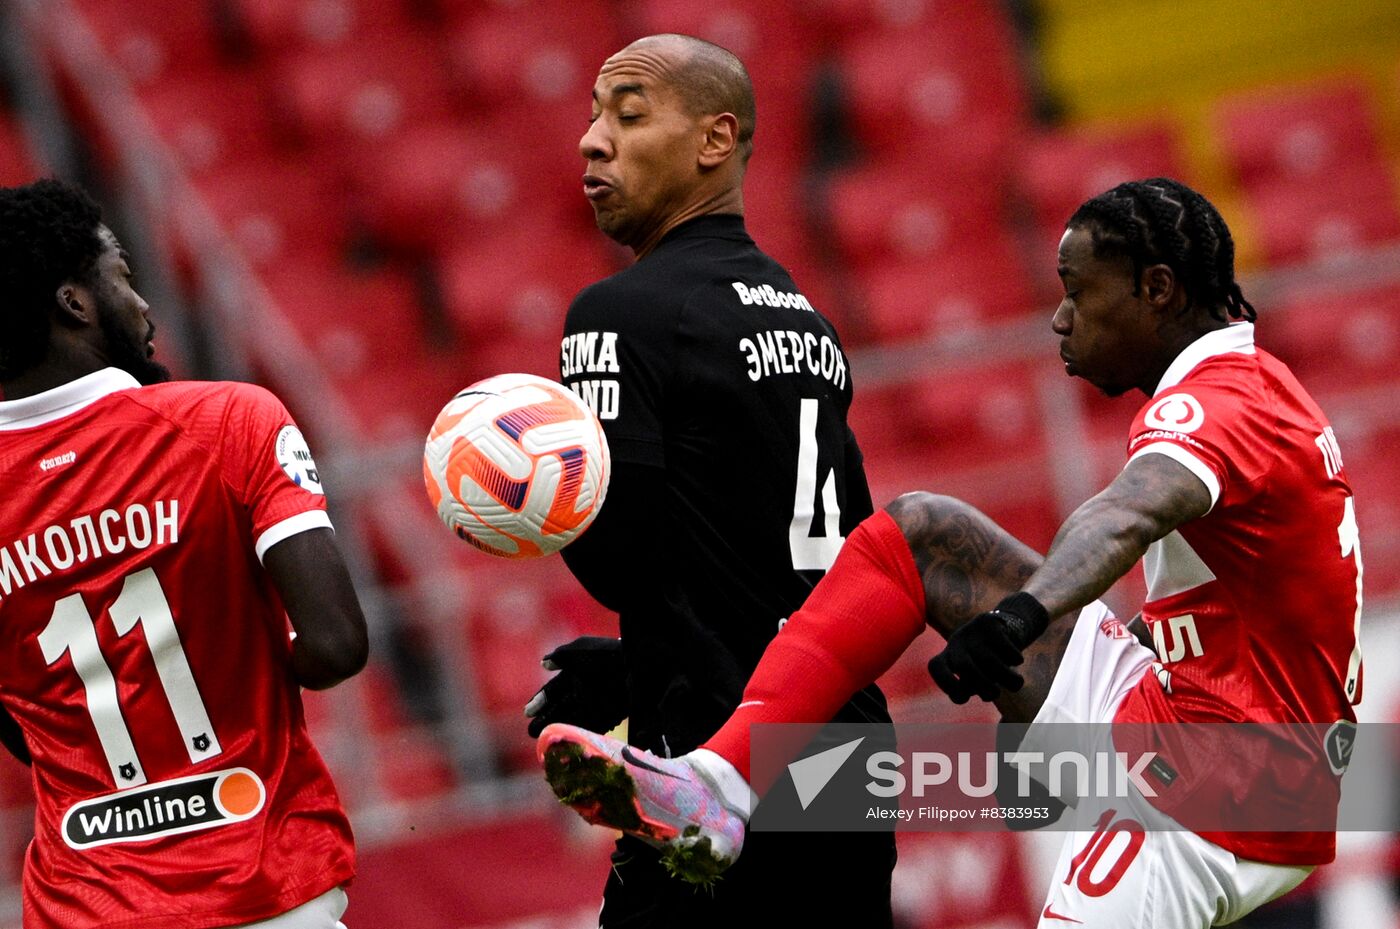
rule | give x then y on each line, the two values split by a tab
924	559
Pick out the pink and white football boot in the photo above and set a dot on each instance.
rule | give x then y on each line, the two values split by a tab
673	804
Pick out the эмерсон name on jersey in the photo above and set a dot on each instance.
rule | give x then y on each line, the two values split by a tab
766	353
788	351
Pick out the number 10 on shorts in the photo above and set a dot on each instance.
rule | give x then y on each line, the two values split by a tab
1087	862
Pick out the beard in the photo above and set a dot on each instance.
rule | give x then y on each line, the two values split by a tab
127	352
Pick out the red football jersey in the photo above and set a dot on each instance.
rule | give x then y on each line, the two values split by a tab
1255	607
146	655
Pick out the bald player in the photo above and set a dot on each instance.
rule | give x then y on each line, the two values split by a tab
724	394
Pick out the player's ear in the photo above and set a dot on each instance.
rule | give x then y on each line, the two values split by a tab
1159	286
720	140
74	304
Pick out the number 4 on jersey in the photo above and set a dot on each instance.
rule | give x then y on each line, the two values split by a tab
813	553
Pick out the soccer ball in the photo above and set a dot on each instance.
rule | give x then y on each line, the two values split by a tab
517	465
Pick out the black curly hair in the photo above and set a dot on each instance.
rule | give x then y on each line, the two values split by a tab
1162	221
48	235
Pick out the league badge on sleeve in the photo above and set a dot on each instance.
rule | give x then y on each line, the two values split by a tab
294	456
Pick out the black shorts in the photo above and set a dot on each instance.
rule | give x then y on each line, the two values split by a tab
781	879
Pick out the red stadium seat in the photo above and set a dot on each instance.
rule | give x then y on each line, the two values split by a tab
526	70
939	96
153	40
977	432
880	214
17	165
383	704
361	92
277	25
516	621
533	353
16	818
948	297
546	155
369	333
775	213
1106	418
509	635
212	120
1335	339
742	28
1012	486
518	284
777	46
415	764
834	19
779	216
404	395
410	762
1368	439
1342	345
981	21
1060	170
538	52
351	321
463	174
1300	134
277	208
973	411
1345	211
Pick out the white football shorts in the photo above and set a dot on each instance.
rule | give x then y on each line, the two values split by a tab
1122	875
323	912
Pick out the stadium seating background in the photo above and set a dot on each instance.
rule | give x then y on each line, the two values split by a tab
367	204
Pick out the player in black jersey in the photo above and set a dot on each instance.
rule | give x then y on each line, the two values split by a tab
724	394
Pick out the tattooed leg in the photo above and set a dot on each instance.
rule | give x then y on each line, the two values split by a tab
968	563
925	561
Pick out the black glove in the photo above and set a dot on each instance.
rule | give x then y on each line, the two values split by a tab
981	653
590	689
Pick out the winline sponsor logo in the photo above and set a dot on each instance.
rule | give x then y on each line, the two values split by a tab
186	804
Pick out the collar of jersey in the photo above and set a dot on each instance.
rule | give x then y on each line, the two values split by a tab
710	224
1236	337
64	400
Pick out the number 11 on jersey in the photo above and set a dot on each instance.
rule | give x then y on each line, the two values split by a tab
141	602
813	553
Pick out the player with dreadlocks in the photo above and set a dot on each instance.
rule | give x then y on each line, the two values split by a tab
1233	492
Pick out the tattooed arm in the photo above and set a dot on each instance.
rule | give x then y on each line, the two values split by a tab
1107	535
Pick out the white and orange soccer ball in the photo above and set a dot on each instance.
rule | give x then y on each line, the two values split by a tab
517	465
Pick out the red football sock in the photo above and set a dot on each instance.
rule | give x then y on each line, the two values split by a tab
857	621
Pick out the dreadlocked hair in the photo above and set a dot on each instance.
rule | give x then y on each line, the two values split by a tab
48	235
1162	221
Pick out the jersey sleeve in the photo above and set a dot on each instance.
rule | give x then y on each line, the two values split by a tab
269	466
1213	428
618	353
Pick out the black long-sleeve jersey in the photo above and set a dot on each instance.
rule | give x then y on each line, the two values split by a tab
723	394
